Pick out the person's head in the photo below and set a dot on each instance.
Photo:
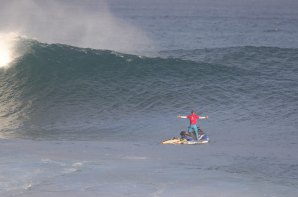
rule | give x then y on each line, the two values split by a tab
183	133
192	112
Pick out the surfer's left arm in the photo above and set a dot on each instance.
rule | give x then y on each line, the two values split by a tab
181	116
203	117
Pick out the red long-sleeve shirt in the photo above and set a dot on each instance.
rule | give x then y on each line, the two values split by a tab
193	118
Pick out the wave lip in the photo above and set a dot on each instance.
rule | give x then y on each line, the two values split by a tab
8	52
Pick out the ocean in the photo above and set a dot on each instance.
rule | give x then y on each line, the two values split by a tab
88	92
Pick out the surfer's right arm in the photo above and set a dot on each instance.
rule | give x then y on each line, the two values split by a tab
181	116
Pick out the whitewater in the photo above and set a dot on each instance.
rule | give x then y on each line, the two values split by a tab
78	119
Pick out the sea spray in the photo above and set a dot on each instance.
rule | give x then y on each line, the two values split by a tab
8	51
89	24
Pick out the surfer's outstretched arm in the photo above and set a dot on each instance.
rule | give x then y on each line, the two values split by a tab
203	117
181	116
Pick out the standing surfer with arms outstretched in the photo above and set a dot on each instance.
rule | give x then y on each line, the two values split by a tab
193	122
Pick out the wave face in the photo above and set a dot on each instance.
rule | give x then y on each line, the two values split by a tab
61	91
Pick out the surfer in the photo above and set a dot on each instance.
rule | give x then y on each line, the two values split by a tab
193	122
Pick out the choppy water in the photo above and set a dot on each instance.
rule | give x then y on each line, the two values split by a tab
89	121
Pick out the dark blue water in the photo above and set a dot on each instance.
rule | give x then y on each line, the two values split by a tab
204	24
77	113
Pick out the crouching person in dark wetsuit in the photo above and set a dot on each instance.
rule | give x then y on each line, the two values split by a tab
187	136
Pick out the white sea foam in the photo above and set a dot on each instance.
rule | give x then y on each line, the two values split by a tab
7	48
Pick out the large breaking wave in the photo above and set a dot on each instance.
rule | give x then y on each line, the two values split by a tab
56	89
